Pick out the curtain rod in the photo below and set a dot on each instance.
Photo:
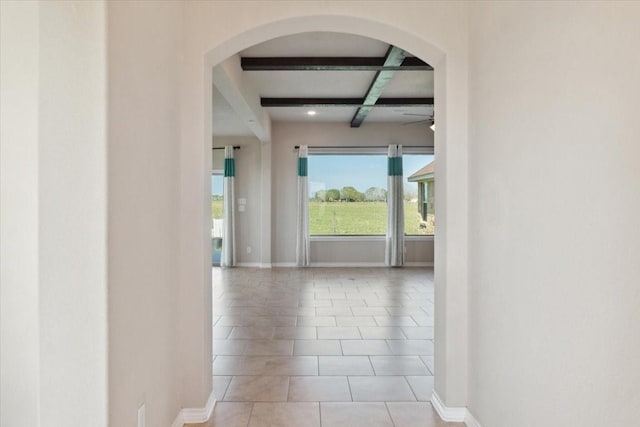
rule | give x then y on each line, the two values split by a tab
361	146
235	147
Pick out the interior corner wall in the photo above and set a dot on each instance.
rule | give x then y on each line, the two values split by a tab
247	187
145	355
554	195
19	280
54	284
286	135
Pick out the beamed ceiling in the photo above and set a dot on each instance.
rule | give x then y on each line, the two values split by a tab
343	78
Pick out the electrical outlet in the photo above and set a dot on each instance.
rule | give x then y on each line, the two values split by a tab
248	249
142	416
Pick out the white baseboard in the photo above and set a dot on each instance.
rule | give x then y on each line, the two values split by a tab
249	264
470	420
419	264
348	264
265	265
335	264
455	414
195	415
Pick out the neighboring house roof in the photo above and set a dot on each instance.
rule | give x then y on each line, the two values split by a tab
422	174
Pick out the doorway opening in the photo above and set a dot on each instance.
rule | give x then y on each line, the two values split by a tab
338	334
450	202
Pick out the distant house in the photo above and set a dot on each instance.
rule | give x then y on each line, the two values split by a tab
426	194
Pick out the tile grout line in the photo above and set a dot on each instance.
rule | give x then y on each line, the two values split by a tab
253	405
349	384
386	405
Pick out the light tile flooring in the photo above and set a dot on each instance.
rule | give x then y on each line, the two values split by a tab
330	347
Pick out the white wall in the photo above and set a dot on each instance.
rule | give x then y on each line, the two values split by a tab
285	137
19	348
54	320
554	203
145	354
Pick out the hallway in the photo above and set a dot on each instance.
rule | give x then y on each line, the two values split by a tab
323	347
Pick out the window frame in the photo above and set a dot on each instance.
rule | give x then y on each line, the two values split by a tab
364	151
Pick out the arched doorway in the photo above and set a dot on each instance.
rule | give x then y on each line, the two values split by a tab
450	268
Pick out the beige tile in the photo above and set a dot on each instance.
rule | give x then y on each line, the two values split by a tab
345	365
365	347
316	321
221	332
355	321
295	365
251	332
418	414
355	415
295	332
423	319
411	347
258	389
380	389
369	311
269	348
395	321
398	365
220	384
287	414
319	389
228	414
381	332
236	320
229	347
419	332
317	348
265	365
232	365
337	333
430	362
422	387
276	320
334	311
405	311
348	303
316	303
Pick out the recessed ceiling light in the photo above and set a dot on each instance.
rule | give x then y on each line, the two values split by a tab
311	113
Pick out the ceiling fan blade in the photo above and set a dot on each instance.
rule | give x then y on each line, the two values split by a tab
413	123
414	114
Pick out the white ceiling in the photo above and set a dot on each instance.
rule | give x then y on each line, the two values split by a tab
344	84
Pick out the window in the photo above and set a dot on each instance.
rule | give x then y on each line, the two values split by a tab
216	217
348	195
419	194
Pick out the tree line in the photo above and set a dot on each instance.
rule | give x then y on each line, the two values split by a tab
350	194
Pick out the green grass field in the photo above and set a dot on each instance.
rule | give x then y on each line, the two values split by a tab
365	218
216	209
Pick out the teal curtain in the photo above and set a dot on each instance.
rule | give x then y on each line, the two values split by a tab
302	220
228	255
394	249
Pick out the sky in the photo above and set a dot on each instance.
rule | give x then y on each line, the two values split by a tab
361	172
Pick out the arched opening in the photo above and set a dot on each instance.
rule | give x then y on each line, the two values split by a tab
430	54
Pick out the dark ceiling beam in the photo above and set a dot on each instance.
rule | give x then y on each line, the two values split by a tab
345	102
331	64
395	56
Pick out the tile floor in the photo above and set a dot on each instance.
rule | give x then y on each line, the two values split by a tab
330	347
